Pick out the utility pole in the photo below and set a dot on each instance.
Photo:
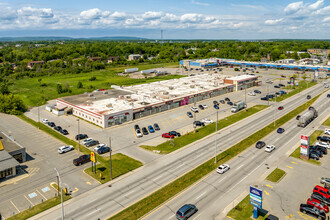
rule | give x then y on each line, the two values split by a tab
59	179
268	94
216	138
245	97
110	158
274	110
78	134
38	117
194	115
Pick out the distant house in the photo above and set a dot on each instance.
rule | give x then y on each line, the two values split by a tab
95	58
263	60
308	61
286	61
323	52
31	64
134	57
113	59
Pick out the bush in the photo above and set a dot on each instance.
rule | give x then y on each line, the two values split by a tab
93	78
79	85
11	104
236	69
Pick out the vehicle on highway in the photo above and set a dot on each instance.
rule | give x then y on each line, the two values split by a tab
207	121
318	204
260	144
194	109
92	143
322	191
51	124
227	99
323	139
327	131
198	123
65	149
328	95
230	103
64	132
280	108
103	149
307	117
314	156
257	91
156	126
145	131
205	106
216	106
215	102
186	211
190	115
308	97
325	181
276	86
151	129
320	197
280	130
298	116
201	107
81	160
174	133
138	133
326	86
167	135
44	120
222	101
223	168
99	146
251	94
81	136
87	140
269	148
265	98
311	210
58	128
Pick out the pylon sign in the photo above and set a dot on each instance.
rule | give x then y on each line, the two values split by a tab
93	157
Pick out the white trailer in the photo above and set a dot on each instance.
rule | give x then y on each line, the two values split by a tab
131	70
148	71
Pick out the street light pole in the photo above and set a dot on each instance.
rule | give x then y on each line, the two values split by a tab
58	176
110	158
268	94
194	116
78	134
216	138
274	110
38	118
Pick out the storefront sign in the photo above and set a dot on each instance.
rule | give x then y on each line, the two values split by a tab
256	197
304	147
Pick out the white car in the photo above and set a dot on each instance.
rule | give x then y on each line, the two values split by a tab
138	133
322	144
207	121
99	146
270	148
327	131
87	140
194	109
205	106
65	149
223	168
44	120
251	94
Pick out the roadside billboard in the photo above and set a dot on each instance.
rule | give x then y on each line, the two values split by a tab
304	147
256	197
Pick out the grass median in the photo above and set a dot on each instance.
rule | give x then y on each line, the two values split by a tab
179	142
313	137
147	204
276	175
327	122
244	210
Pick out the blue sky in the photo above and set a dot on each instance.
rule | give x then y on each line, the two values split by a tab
180	19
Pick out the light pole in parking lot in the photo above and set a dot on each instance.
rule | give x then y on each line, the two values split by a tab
194	115
38	117
216	138
78	134
110	158
60	182
274	110
268	94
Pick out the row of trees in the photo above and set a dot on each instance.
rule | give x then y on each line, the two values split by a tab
9	103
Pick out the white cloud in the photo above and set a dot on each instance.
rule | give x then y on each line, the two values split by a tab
152	15
93	14
272	22
316	5
323	11
199	3
7	14
293	7
118	15
35	12
327	19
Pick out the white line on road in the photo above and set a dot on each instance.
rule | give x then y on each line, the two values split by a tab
196	217
92	212
128	193
200	195
239	167
171	216
222	179
157	177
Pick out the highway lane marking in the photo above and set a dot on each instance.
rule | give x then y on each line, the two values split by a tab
15	206
28	200
294	162
157	177
289	167
171	216
239	167
41	194
200	195
128	193
222	179
196	217
266	192
269	186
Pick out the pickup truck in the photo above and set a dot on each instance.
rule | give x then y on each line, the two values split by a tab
81	160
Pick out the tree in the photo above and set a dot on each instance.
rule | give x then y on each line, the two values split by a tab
79	85
304	77
4	87
59	89
11	104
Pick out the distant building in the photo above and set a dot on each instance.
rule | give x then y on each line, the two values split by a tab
18	45
308	61
31	64
323	52
285	61
95	58
113	59
134	57
264	60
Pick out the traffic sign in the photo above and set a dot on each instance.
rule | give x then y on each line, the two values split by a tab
93	157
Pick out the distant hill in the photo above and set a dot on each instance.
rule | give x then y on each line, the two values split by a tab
50	38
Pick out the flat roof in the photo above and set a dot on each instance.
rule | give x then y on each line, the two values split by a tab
242	77
7	161
9	145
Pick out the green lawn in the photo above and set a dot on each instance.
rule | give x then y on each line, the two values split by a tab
276	175
244	210
33	94
313	137
327	122
179	142
163	194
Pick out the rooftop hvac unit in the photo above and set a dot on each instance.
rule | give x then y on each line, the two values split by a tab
171	88
165	93
192	81
192	86
109	105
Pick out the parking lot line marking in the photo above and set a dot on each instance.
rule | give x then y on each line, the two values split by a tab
75	190
266	192
269	186
41	194
88	183
15	206
289	167
294	162
28	200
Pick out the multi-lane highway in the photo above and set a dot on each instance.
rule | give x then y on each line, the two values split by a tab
104	201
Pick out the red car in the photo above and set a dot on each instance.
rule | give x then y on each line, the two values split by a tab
282	76
280	108
167	135
323	191
318	204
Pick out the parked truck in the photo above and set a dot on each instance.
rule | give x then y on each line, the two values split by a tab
307	117
238	106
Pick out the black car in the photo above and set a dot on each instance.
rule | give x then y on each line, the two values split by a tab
103	150
81	136
319	148
298	116
323	139
199	123
314	156
174	133
64	132
328	95
51	124
257	91
309	97
190	115
136	127
81	160
92	143
145	131
281	85
264	98
230	103
260	144
222	101
156	126
311	210
319	153
227	99
320	197
215	102
276	86
58	128
201	107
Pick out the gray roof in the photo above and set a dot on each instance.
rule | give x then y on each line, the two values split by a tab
7	161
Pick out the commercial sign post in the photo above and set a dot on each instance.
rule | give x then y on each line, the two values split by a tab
93	159
255	200
304	147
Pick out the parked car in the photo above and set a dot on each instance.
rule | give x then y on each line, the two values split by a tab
138	133
92	143
318	204
319	148
314	156
260	144
81	160
269	148
65	149
64	132
264	98
251	94
87	140
227	99
136	127
281	85
222	101
205	106
99	146
44	120
327	131
201	107
216	106
151	129
186	211
298	116
51	124
198	123
280	130
328	96
257	91
230	103
215	102
81	136
174	133
325	181
323	139
190	115
58	128
207	121
156	126
194	109
167	135
223	168
311	210
276	86
319	153
145	131
309	97
103	149
322	191
320	197
280	108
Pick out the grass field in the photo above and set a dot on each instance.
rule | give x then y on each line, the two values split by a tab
276	175
33	94
177	143
145	205
327	122
244	211
313	137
